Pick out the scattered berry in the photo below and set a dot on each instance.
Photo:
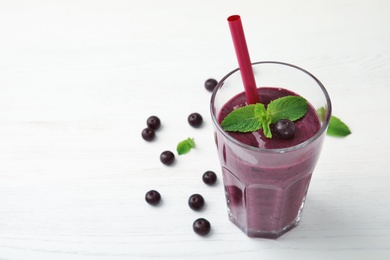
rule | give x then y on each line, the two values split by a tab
148	134
196	202
210	84
284	129
167	157
153	122
209	177
201	226
153	197
195	119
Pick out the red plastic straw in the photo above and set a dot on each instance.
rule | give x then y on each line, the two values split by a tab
244	61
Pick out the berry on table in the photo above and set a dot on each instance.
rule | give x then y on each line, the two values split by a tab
209	177
201	226
195	119
153	122
167	157
153	197
196	202
148	134
210	84
284	129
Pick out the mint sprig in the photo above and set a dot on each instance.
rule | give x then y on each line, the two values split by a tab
185	146
254	117
336	127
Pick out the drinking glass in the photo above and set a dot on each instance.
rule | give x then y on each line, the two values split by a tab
266	188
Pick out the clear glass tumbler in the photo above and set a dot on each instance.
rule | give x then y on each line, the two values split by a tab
266	188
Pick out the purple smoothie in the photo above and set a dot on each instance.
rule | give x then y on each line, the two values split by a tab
266	180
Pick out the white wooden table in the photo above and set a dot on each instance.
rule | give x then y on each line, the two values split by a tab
78	80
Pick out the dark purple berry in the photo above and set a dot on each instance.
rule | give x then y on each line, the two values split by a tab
201	226
195	119
210	84
153	122
284	129
153	197
209	177
148	134
167	157
196	202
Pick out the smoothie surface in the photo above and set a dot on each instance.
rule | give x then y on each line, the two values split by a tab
305	128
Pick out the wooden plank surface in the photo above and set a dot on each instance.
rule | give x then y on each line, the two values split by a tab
78	80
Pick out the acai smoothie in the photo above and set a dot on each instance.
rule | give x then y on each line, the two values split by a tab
266	179
268	138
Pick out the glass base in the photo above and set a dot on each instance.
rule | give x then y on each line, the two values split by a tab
271	234
274	234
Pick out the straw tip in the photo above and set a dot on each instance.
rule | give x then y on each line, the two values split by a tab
233	18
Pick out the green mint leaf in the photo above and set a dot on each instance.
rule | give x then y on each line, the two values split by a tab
288	107
263	115
244	119
336	127
267	131
185	146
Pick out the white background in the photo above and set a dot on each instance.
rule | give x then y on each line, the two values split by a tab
78	79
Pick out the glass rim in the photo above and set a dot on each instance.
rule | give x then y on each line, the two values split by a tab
323	128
